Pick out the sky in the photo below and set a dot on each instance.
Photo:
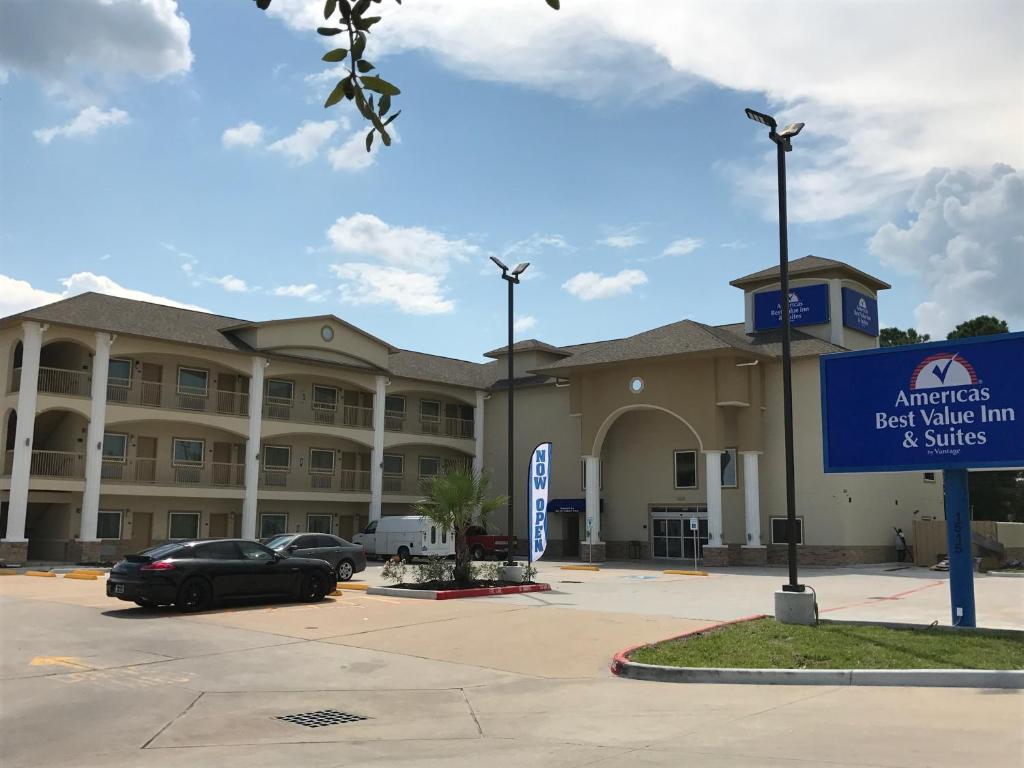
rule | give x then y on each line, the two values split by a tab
179	152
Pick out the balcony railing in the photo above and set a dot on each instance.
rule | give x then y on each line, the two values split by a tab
152	394
56	464
187	474
339	415
394	421
357	480
57	381
447	427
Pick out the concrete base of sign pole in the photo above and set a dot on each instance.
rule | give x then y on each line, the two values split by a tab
794	607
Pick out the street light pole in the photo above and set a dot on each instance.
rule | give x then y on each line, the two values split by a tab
511	276
783	144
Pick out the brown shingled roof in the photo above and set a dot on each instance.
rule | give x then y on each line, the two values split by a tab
808	266
528	345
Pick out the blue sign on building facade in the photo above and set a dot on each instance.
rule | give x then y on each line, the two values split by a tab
860	312
808	305
942	405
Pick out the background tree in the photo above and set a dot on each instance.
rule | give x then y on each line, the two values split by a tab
454	500
894	337
355	24
982	325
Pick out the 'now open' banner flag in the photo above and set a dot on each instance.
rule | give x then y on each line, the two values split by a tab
540	480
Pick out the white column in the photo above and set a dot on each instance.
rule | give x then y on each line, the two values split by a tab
835	313
252	449
752	498
377	459
592	473
94	438
478	434
713	465
31	344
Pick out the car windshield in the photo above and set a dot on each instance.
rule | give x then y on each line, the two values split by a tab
279	541
164	550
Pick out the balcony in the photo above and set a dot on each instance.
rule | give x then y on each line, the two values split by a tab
330	414
153	394
395	421
57	381
353	480
62	465
182	474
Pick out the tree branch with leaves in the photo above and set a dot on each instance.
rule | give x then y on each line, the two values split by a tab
353	21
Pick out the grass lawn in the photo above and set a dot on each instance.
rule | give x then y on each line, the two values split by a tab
766	644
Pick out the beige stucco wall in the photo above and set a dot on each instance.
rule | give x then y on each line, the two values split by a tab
847	509
541	414
304	334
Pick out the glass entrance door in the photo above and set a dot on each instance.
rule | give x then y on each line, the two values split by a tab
671	537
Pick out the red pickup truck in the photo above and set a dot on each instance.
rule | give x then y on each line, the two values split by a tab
484	546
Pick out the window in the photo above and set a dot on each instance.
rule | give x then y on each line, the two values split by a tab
371	528
779	536
187	451
272	525
433	534
429	466
393	464
183	525
430	410
686	469
394	404
115	446
193	381
321	461
319	524
217	550
279	389
108	525
458	411
252	551
929	477
280	541
444	535
729	468
325	398
277	457
119	371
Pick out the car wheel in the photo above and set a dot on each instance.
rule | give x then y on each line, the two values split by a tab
194	595
479	553
345	570
313	588
404	555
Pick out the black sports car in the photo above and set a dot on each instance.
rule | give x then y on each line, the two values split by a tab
194	574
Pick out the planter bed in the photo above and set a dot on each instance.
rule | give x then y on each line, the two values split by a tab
435	591
759	651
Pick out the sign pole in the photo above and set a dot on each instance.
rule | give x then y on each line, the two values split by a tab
960	555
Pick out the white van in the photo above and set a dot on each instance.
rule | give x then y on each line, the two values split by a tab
406	536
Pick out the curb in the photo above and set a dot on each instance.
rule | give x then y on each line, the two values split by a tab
579	568
358	586
44	574
923	678
81	576
1006	574
454	594
686	573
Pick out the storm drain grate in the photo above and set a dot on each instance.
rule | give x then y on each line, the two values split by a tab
321	718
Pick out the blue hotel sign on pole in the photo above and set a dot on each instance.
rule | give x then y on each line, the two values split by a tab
950	405
808	305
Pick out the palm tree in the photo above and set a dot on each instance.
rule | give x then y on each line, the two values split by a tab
454	500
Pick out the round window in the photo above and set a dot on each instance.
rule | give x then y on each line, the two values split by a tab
636	385
327	333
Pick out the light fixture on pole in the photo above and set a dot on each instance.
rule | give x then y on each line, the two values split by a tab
511	276
783	144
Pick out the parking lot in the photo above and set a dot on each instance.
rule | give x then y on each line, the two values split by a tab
518	680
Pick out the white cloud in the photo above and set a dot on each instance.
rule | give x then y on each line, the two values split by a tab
414	293
247	134
682	247
524	323
593	285
734	245
883	102
88	122
73	45
304	145
965	243
229	283
622	240
309	292
19	295
412	263
352	155
537	244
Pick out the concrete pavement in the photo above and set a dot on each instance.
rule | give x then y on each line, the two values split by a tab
87	681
